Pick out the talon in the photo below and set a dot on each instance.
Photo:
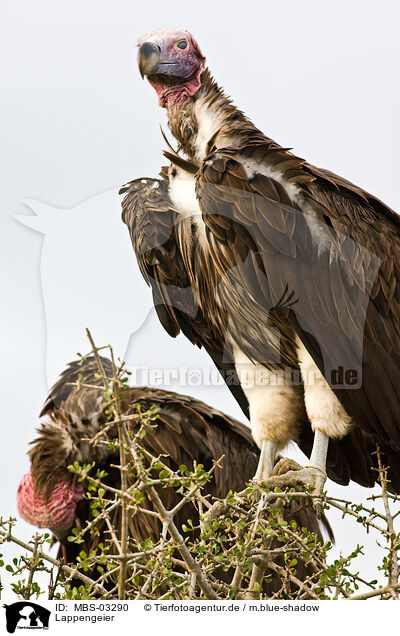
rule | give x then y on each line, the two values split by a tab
318	487
318	508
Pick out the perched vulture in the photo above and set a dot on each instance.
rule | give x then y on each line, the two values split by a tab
187	431
288	275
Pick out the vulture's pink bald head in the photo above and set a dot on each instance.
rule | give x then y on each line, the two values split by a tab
172	61
57	512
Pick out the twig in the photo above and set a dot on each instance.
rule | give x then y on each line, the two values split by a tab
393	558
65	568
379	592
124	485
192	565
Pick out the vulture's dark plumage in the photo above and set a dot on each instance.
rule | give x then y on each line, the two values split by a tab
278	269
187	431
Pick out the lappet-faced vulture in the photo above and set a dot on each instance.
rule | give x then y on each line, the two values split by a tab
288	275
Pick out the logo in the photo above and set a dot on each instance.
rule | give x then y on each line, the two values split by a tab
114	305
26	615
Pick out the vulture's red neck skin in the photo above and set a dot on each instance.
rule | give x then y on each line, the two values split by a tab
170	93
55	511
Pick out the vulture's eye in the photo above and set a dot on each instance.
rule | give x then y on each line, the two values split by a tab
182	45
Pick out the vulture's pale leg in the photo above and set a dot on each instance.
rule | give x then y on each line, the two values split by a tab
327	416
319	451
315	472
276	406
328	419
266	462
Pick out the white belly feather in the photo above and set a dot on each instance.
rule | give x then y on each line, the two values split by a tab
182	192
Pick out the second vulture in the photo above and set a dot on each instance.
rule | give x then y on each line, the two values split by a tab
187	431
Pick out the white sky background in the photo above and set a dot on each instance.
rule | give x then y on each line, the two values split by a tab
77	120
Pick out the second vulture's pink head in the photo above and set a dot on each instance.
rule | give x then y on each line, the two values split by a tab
55	512
172	62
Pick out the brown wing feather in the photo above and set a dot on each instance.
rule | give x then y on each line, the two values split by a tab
154	228
375	228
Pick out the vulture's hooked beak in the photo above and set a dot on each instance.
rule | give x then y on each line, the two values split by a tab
149	57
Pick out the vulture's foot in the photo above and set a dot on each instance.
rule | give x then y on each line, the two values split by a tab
288	474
